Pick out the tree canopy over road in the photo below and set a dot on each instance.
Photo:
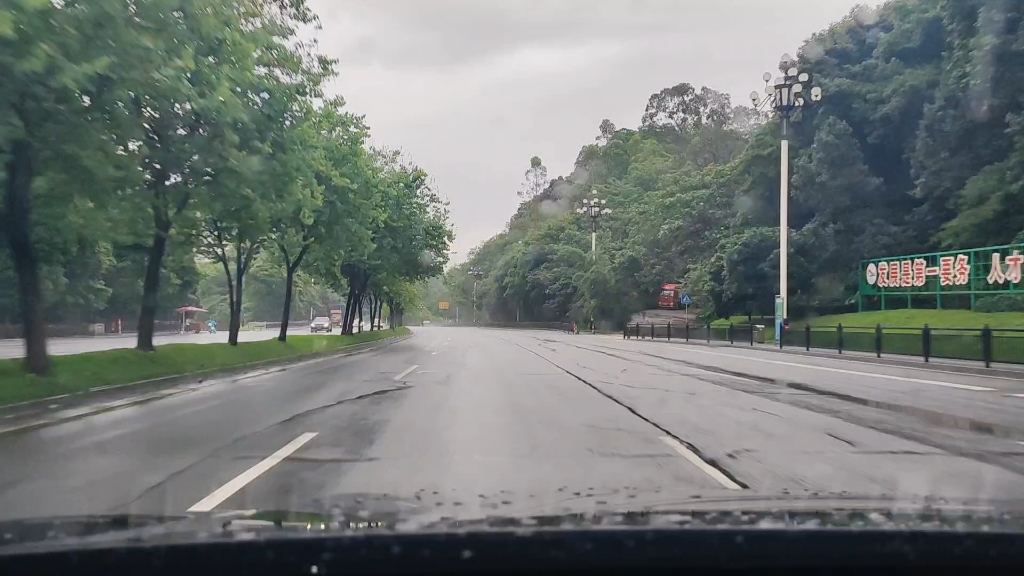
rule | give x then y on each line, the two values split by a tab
150	146
918	145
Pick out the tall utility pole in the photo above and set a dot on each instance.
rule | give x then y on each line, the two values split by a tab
785	96
477	274
594	209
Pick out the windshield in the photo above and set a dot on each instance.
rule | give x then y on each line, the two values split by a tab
576	258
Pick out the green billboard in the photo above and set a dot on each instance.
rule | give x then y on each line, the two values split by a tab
975	272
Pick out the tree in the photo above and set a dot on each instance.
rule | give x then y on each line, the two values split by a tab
333	209
607	130
52	69
536	179
186	125
409	242
682	109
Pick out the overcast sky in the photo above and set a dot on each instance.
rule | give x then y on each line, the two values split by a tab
471	89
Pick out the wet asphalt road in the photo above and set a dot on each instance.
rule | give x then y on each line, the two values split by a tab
467	422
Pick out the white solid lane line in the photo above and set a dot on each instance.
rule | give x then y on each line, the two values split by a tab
853	372
407	371
238	482
704	466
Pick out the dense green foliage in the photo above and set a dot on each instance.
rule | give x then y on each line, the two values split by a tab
150	145
917	145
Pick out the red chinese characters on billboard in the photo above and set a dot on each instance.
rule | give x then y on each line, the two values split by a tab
951	271
1012	273
946	270
962	270
980	270
920	272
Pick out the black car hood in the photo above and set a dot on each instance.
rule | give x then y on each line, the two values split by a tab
748	512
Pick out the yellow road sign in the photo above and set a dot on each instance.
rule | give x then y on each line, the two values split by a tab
442	305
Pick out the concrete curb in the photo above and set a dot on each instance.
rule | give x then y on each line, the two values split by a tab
164	387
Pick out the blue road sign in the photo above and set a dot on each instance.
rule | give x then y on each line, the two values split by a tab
685	299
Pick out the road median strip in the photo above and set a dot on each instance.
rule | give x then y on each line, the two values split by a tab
81	375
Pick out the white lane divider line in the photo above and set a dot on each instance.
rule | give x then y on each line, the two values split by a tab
704	466
853	372
238	482
407	371
1016	395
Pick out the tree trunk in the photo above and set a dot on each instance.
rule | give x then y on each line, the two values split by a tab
373	312
18	227
289	280
151	281
289	284
359	311
236	309
231	290
346	323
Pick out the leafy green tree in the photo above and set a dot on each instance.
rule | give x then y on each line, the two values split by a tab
331	208
52	61
409	242
536	179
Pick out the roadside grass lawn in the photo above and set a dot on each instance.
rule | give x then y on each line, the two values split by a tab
80	372
892	320
908	318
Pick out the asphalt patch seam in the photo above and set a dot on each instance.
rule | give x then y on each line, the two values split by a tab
710	461
244	437
984	456
925	415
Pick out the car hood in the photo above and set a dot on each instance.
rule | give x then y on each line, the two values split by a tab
830	512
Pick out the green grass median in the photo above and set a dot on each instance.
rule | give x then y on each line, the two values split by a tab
80	372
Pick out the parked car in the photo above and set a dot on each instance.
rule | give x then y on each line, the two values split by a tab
321	324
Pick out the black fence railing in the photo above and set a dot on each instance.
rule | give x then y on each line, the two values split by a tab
985	344
559	326
732	333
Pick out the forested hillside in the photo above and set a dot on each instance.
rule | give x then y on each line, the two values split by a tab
917	145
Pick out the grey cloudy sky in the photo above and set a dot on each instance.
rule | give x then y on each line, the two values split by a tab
471	89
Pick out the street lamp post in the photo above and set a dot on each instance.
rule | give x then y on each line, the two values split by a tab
786	95
477	274
594	209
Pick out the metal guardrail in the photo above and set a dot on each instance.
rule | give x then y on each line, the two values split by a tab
733	333
984	344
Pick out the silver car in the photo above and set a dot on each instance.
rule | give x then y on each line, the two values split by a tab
321	324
